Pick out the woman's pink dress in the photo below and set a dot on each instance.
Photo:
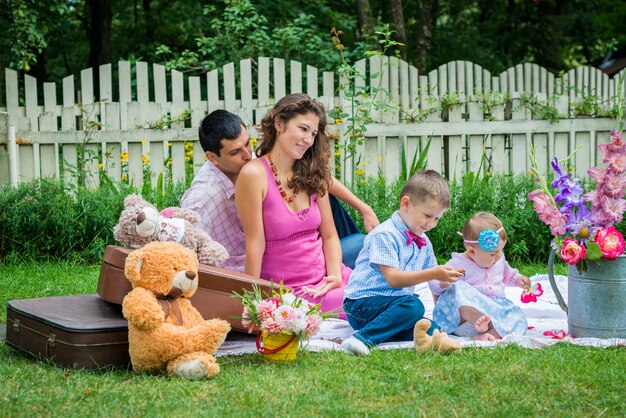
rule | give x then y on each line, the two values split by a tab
293	247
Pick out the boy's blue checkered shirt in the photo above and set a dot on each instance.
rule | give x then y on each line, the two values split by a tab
386	245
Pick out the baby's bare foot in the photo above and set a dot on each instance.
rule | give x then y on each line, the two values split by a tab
484	337
482	324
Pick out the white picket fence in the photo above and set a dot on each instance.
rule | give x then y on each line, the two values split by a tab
39	138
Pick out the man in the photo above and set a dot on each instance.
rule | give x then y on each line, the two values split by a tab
226	144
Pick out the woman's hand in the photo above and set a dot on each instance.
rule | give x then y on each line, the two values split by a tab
370	220
329	283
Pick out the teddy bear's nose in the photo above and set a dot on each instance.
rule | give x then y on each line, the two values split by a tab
140	218
190	274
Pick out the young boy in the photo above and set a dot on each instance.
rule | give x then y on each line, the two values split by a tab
379	300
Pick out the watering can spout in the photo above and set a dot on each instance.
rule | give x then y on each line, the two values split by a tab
559	297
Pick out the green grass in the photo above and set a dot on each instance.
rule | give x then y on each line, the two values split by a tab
510	381
563	380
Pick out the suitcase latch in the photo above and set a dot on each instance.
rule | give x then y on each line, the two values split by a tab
16	326
51	339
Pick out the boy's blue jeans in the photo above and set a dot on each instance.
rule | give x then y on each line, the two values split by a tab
379	319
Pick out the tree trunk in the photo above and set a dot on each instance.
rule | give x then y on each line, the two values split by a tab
100	33
149	19
398	24
365	29
424	42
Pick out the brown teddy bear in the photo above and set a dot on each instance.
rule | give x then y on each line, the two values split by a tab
165	331
440	342
141	223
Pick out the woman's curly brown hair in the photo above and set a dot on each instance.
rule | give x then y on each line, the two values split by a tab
311	172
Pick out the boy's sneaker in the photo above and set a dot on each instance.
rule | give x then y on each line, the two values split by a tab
354	346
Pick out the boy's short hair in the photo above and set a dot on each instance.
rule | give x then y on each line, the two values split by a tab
425	185
480	221
217	125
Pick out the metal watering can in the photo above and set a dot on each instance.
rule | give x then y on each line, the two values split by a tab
596	298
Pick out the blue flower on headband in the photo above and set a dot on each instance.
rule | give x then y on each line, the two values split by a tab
488	239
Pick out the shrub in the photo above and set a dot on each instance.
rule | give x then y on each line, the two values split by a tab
503	195
45	220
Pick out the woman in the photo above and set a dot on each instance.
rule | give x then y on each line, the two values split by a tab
282	200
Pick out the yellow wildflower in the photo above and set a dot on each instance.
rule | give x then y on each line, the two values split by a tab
123	157
143	142
124	178
253	142
363	163
169	162
337	153
360	172
169	144
145	159
189	153
338	121
379	159
100	166
187	159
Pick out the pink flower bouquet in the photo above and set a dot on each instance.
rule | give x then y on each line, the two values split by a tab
582	223
280	312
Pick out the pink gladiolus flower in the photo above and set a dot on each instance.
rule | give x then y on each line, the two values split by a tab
597	174
611	242
607	210
614	186
540	200
614	153
531	293
548	213
571	251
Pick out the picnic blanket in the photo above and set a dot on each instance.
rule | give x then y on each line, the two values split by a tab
544	316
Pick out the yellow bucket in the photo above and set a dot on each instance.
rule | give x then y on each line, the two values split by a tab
281	348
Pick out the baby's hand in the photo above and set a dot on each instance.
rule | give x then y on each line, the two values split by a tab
447	274
523	281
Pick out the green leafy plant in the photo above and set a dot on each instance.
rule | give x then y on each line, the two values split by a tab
541	109
418	161
363	98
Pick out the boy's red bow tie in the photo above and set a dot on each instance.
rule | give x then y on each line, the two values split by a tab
412	238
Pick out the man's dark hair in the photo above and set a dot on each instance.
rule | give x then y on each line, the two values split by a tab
218	125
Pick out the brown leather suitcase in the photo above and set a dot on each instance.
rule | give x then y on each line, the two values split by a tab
80	332
213	299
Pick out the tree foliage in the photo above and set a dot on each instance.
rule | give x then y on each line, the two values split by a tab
51	38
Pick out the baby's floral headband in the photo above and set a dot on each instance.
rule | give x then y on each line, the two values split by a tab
488	239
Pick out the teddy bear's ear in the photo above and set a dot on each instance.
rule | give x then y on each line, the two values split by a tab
138	265
133	264
134	200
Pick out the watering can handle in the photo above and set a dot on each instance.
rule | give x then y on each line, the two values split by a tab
559	297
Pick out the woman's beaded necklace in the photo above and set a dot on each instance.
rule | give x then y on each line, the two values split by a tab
282	191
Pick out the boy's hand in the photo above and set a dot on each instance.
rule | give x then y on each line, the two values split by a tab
523	281
447	274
